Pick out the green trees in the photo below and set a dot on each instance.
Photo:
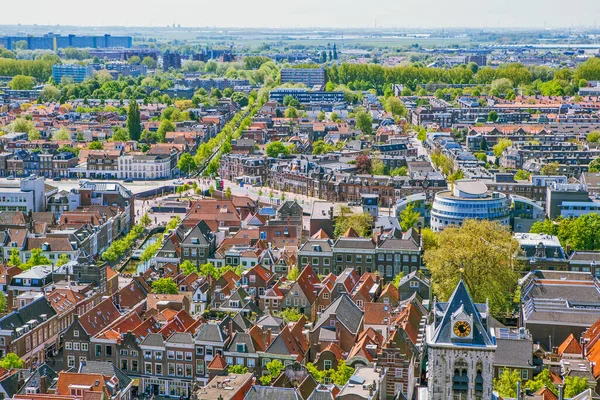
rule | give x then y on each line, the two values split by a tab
442	162
3	303
364	122
145	220
61	134
541	380
293	274
134	125
228	192
119	247
149	62
96	145
400	171
15	258
360	223
50	93
187	267
552	168
320	147
594	165
274	368
581	233
290	315
593	137
377	166
522	175
574	385
21	82
37	258
506	383
273	149
164	286
150	251
237	369
409	217
291	112
340	376
186	163
120	135
395	106
164	127
11	361
62	260
485	251
502	144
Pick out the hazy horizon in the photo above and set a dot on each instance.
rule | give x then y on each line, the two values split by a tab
349	14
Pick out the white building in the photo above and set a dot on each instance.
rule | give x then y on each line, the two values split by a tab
468	200
30	196
142	166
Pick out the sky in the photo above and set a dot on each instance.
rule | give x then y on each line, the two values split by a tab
305	13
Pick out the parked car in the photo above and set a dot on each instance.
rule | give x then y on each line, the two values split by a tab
57	178
178	182
129	180
10	178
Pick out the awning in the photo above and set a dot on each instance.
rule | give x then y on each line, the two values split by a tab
135	382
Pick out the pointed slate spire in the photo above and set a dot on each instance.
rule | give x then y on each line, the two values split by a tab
460	302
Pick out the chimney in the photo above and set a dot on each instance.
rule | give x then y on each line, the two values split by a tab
268	338
230	327
43	384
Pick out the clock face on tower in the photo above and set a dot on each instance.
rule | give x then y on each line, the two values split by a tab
462	329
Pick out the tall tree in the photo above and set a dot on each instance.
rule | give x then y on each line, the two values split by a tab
134	125
164	286
506	383
409	217
485	251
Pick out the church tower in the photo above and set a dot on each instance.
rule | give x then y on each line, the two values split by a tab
459	349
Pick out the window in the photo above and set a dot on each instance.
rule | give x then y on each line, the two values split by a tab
359	303
171	355
199	367
76	346
524	374
71	361
148	368
229	360
84	347
68	345
399	388
134	365
98	350
157	355
76	333
209	351
123	352
414	284
239	361
124	365
188	356
251	363
359	259
398	372
327	364
199	351
188	370
179	369
325	296
108	351
349	258
171	369
304	260
147	354
180	355
158	369
315	261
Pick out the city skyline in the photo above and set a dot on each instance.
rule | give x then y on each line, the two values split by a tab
313	13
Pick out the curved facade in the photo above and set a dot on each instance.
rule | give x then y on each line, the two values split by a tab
468	200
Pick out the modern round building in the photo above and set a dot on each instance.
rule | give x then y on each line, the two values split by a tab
468	200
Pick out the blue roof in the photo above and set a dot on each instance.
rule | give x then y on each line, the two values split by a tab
269	211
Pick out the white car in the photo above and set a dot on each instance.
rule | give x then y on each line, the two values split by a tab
178	182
